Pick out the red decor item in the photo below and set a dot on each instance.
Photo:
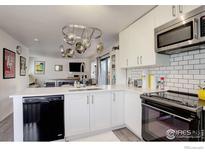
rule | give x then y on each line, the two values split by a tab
9	64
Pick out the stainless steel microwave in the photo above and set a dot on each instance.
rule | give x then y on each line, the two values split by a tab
185	33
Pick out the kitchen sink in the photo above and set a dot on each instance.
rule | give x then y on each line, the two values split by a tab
86	89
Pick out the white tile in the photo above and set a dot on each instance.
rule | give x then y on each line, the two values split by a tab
200	77
188	57
199	56
188	67
193	72
194	81
104	137
195	61
199	66
183	81
188	76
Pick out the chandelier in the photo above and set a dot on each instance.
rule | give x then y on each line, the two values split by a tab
78	38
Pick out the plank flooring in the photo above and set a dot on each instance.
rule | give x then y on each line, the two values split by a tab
124	134
6	129
6	132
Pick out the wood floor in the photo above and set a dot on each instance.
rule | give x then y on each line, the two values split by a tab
6	131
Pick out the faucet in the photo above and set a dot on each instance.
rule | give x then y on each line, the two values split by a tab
82	66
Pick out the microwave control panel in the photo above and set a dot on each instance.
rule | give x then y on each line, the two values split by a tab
202	26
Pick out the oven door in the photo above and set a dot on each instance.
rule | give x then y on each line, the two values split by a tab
184	33
159	124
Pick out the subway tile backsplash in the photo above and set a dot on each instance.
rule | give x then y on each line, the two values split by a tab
185	72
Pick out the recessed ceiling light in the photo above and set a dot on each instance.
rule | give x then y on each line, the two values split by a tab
36	39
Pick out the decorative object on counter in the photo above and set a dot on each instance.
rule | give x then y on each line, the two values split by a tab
39	67
22	66
161	83
201	91
9	64
58	68
79	38
18	49
115	48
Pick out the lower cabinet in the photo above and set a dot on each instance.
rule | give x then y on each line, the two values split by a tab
117	108
87	112
77	114
100	111
133	112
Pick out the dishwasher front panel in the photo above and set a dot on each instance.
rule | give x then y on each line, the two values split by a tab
43	118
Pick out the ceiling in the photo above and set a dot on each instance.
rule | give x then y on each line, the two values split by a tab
25	23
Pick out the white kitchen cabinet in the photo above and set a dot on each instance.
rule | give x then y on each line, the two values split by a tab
100	111
133	112
166	13
117	108
77	114
125	47
187	8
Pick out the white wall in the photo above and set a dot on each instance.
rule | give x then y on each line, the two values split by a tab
50	62
10	86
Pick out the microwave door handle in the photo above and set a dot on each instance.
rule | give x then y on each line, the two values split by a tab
175	115
196	28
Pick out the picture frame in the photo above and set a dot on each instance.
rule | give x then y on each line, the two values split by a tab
58	68
39	67
22	66
9	64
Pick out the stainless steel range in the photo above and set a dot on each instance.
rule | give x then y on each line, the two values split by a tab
171	116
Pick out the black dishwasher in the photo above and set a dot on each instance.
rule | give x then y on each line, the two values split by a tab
43	118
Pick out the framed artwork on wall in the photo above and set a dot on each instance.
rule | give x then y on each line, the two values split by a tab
22	66
39	67
9	64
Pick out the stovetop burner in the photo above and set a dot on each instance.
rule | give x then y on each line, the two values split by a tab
174	98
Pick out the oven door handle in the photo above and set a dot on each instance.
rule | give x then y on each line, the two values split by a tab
175	115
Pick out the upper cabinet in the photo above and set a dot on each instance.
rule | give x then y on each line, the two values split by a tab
166	13
137	41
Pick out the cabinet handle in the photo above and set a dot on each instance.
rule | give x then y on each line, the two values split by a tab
113	97
140	59
173	10
137	60
87	99
196	28
92	99
180	9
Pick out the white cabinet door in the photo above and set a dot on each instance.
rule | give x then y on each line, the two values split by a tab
133	112
117	108
186	8
124	48
164	14
100	110
76	114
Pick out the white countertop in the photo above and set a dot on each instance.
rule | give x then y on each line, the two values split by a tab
66	90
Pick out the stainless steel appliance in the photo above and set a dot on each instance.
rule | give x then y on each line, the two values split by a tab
171	116
138	83
43	118
185	33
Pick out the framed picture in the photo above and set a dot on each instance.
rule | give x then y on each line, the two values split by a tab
9	64
58	68
39	67
22	66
